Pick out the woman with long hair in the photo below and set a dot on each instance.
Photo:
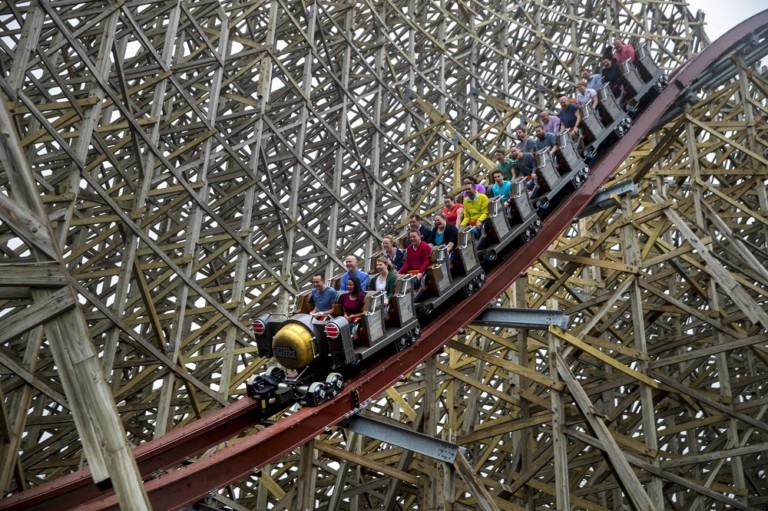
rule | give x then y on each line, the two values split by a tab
352	301
385	279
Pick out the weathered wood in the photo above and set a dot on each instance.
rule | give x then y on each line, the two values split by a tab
39	312
362	460
479	492
628	479
198	159
514	368
559	444
605	358
724	278
305	493
50	275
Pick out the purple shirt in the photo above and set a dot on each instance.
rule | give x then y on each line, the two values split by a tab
351	306
552	125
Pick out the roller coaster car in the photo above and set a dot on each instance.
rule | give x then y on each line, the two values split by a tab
554	177
503	227
451	274
603	124
573	169
641	79
315	353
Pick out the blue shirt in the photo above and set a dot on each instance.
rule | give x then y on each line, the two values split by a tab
527	145
568	115
505	190
449	235
595	82
323	300
526	165
361	276
548	140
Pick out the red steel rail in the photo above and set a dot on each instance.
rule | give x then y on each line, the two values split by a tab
191	483
77	488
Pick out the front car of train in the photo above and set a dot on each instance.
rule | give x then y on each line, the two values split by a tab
307	351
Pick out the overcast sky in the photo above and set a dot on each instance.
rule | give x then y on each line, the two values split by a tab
721	15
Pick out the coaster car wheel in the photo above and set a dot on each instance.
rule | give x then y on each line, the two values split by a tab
528	234
536	225
276	372
316	393
401	343
469	289
334	382
541	204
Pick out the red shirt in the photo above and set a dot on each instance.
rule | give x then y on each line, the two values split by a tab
627	52
416	258
451	214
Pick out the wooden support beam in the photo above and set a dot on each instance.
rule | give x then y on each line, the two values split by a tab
365	462
627	477
483	498
513	368
606	359
714	268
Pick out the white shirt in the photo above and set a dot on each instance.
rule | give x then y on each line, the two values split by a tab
586	96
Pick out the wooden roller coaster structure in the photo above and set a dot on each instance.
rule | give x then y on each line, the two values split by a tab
127	288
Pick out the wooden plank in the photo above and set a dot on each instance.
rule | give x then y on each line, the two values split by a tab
714	268
628	479
23	223
509	366
755	340
696	395
483	497
559	442
44	275
607	359
507	424
38	313
357	459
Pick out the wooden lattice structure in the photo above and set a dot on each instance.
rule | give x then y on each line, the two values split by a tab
170	169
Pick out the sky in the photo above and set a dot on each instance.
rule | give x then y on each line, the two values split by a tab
721	15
